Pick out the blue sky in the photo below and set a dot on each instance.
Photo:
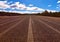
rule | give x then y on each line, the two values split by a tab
32	5
40	3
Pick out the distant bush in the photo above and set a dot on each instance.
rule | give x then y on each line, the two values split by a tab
46	13
8	14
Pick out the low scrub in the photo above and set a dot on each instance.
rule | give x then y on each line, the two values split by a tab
46	13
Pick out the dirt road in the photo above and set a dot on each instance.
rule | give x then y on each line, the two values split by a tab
29	28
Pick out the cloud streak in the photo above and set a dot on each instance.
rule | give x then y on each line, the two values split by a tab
58	2
49	5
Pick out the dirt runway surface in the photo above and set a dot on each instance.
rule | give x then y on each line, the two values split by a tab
29	28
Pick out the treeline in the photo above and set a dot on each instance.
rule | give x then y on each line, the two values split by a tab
11	14
46	13
8	14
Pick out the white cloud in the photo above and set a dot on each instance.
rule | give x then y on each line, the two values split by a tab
31	8
20	6
49	5
51	10
58	2
57	7
22	12
3	4
10	2
31	5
